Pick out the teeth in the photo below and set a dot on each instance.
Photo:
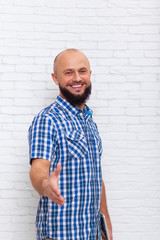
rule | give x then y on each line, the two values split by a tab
76	86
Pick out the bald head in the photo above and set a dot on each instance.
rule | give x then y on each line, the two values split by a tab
68	53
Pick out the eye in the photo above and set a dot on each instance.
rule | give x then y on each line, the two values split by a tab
83	70
68	72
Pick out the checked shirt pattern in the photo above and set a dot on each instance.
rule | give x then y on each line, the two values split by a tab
66	134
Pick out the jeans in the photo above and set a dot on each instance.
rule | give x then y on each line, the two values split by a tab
48	239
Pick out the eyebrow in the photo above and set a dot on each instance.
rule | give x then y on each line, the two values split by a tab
68	69
72	69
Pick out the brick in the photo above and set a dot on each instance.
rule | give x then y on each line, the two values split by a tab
82	45
29	85
101	70
112	62
16	110
124	103
144	45
67	36
112	95
124	86
126	21
82	12
28	27
49	11
126	70
109	111
150	4
9	51
30	3
112	45
60	4
6	68
100	86
95	37
144	11
110	78
49	28
125	119
17	60
129	54
144	62
150	86
7	85
144	29
151	69
149	120
150	103
95	4
30	68
143	128
112	29
17	10
29	52
40	76
143	77
154	53
15	76
125	3
127	37
110	12
144	94
81	28
141	111
28	102
151	20
14	93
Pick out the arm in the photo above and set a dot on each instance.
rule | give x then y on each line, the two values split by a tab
43	183
104	210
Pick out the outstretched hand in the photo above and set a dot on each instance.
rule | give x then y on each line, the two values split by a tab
52	189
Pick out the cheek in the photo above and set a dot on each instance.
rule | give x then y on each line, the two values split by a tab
64	82
87	79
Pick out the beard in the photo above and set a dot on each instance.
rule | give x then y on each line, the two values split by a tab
76	100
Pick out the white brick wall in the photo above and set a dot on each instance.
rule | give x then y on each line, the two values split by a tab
121	39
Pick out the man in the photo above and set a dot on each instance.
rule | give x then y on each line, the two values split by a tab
65	157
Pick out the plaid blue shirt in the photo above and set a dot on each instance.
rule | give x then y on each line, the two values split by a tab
62	133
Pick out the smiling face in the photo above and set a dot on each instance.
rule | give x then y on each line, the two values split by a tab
72	73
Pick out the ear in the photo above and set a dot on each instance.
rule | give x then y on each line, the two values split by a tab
55	79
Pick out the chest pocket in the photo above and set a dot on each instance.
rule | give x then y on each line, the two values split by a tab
98	140
77	145
99	143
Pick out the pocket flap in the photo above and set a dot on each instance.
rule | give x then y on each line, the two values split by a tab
75	135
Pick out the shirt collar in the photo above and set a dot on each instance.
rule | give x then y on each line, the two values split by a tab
73	109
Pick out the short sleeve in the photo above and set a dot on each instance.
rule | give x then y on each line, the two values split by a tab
42	138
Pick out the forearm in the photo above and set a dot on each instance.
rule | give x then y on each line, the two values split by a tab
104	209
39	176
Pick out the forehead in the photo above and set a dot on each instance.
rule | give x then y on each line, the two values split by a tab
71	60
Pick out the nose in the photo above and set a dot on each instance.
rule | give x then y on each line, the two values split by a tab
77	77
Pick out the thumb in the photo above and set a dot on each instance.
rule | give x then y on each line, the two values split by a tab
57	170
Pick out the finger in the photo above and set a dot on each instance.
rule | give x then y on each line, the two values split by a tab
59	200
53	186
57	191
